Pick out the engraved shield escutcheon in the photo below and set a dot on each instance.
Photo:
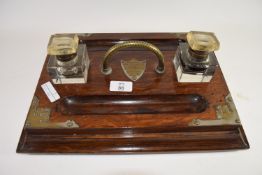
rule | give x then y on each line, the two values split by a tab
133	68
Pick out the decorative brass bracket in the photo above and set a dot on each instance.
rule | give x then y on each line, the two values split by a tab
39	118
226	115
106	69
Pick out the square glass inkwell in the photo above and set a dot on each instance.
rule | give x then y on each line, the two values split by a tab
195	60
68	60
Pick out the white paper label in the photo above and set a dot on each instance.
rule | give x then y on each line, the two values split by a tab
50	91
121	86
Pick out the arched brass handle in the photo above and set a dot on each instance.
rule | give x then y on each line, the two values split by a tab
106	69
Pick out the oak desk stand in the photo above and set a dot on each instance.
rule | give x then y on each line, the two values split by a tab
204	116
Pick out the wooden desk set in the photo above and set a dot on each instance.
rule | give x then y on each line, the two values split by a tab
131	93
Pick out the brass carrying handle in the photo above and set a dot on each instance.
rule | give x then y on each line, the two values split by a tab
106	69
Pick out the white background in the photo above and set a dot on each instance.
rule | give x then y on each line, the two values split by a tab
25	27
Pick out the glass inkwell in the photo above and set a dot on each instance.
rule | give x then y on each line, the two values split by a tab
68	60
195	60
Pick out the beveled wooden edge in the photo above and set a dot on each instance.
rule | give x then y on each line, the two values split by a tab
132	141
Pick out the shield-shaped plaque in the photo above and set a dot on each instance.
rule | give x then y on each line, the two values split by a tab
133	68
